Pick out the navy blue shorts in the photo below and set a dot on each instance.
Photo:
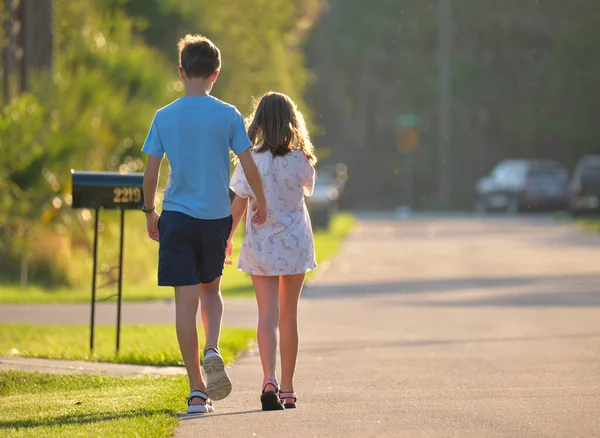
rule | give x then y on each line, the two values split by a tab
191	250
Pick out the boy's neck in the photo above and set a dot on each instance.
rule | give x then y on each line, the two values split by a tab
196	87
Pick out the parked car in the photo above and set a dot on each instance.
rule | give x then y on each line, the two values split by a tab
522	185
323	204
585	186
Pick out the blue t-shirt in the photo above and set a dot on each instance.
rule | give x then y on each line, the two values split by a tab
196	133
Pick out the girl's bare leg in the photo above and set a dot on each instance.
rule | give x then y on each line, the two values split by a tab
268	318
290	287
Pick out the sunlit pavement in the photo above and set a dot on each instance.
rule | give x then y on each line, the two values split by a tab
436	327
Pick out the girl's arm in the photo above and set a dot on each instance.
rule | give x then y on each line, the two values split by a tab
306	173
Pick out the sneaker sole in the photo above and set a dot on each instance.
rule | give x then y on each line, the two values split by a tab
218	384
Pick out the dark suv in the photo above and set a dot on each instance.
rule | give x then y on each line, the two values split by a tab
585	186
518	185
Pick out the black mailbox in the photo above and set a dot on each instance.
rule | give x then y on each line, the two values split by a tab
114	191
107	190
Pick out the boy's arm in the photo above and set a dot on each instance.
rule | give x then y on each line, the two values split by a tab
150	186
255	181
238	208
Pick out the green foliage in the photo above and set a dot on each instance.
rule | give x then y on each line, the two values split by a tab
20	123
92	113
259	41
93	110
22	199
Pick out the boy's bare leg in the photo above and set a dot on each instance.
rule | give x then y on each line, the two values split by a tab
211	307
218	382
186	309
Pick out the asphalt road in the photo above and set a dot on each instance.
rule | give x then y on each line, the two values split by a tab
440	327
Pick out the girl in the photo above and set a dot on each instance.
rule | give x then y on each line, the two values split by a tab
278	253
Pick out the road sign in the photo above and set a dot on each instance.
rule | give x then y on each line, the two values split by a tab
407	120
407	139
407	135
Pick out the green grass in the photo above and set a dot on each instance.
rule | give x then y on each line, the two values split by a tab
328	242
37	404
140	344
140	276
44	405
590	224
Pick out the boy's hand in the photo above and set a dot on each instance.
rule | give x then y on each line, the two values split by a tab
259	211
228	252
152	225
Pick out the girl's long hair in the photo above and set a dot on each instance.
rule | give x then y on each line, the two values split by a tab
277	126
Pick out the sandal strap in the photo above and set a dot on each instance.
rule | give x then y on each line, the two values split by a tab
197	394
271	382
287	394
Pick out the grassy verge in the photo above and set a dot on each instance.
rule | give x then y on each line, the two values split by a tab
590	224
44	405
140	344
235	283
328	242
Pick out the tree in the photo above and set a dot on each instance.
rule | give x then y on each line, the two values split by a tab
522	79
260	41
94	111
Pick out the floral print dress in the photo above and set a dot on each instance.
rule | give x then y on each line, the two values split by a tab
284	244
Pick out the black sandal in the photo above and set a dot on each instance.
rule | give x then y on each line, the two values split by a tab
269	399
286	395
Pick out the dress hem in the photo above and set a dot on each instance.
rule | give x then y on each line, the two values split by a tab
273	274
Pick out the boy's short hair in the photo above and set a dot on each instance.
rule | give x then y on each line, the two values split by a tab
198	56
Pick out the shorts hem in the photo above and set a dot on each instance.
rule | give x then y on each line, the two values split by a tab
210	281
171	284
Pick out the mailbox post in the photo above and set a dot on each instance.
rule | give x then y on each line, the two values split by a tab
110	191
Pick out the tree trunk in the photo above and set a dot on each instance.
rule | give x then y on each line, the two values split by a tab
26	39
41	34
25	260
24	270
7	50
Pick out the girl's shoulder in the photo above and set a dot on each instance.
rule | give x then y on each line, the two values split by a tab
258	155
298	155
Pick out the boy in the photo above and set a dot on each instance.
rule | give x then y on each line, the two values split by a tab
195	132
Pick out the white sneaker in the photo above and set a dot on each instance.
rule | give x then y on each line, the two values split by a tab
218	384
